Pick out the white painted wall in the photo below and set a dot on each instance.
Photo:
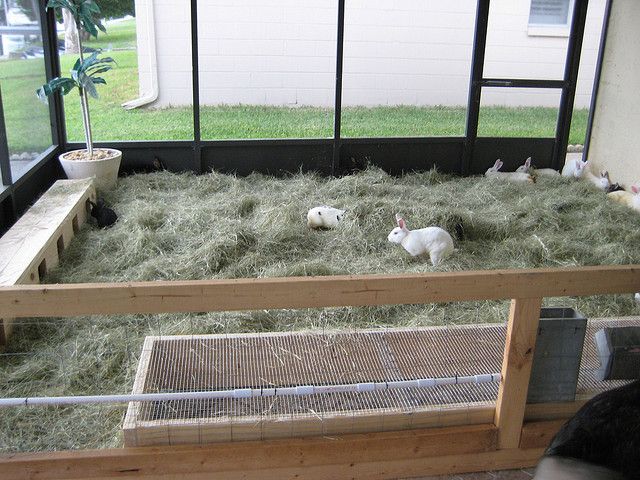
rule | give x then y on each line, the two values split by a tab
410	52
614	143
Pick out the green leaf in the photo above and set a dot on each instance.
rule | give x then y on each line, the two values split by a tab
86	14
94	71
63	84
89	87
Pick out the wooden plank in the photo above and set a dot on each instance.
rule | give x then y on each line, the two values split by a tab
181	432
522	329
380	455
129	424
539	434
554	411
22	247
309	292
34	243
203	467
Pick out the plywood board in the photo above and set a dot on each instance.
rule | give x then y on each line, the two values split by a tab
34	243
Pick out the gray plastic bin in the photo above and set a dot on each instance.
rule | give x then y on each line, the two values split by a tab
619	352
556	361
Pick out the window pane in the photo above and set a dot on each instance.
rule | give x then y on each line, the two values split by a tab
406	67
22	73
549	12
518	112
512	51
151	45
267	69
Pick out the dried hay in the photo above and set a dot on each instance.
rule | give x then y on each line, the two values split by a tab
220	226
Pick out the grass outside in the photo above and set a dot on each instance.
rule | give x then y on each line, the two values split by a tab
28	128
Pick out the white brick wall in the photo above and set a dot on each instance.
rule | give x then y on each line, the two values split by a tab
414	52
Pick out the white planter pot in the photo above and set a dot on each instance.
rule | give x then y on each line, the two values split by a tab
105	170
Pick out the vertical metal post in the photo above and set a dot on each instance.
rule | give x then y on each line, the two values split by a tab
52	70
475	87
5	165
195	73
337	114
572	64
596	79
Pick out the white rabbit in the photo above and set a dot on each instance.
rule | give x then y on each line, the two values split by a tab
573	168
527	168
580	169
432	240
629	199
324	217
494	172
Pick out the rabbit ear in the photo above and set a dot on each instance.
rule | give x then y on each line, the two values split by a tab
401	223
604	174
635	189
497	164
527	163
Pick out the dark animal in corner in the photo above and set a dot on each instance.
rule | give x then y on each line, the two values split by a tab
602	440
105	217
614	187
156	165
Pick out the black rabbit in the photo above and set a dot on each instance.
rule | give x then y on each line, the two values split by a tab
605	432
105	217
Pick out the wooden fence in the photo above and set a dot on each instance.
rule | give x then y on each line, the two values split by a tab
508	442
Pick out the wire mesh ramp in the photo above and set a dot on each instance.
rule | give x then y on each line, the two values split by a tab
450	361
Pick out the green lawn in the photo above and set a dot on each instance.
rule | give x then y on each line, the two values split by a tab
120	36
28	122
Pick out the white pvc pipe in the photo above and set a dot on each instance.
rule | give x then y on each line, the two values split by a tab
252	392
152	96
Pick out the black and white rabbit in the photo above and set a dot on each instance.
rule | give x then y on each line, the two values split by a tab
324	217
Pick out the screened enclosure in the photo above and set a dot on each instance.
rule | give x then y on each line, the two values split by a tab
329	86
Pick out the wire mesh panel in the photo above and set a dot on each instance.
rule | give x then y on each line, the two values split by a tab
280	360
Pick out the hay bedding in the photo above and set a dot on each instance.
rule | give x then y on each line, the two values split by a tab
220	226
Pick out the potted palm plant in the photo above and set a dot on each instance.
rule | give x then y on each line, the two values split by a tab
101	163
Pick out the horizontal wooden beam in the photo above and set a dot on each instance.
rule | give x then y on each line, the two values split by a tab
310	292
539	434
271	455
359	456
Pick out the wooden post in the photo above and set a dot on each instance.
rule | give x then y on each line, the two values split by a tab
522	330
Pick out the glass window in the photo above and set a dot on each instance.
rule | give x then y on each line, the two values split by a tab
518	112
406	67
550	12
22	72
267	70
517	49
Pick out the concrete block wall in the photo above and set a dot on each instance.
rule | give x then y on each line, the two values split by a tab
410	52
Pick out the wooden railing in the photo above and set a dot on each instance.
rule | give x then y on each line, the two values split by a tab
508	443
